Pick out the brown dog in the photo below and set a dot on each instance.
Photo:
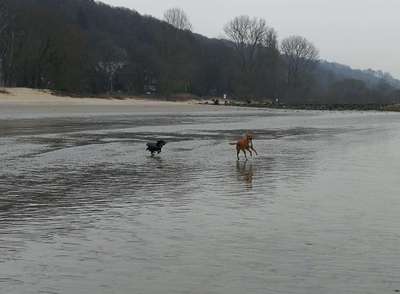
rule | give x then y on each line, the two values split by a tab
244	144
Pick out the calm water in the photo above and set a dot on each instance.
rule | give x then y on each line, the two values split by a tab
84	209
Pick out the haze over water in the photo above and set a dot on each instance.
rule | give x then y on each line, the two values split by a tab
84	209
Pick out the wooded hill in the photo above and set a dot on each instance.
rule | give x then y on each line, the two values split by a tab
87	47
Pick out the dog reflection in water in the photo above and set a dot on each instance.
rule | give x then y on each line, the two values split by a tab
245	172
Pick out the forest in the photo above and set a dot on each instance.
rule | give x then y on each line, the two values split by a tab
90	48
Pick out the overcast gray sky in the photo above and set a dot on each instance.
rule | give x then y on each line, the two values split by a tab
360	33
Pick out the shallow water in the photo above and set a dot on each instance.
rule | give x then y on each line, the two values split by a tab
84	209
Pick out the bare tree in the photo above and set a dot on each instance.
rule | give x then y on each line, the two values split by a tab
113	60
249	35
271	39
4	19
301	57
178	18
4	44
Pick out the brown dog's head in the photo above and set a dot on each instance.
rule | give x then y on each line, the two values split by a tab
249	136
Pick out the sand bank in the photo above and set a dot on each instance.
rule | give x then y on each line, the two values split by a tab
28	97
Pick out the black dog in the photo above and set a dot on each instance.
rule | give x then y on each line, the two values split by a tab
155	147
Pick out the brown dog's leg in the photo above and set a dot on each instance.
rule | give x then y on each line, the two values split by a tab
244	151
251	153
252	148
237	152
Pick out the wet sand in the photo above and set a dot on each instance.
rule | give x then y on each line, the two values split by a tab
84	208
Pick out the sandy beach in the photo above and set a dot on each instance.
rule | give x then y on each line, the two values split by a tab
27	97
25	103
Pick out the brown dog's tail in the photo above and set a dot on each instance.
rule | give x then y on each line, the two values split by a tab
232	143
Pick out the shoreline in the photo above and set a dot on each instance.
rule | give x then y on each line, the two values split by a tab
35	97
317	107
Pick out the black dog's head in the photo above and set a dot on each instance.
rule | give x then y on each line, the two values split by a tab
161	143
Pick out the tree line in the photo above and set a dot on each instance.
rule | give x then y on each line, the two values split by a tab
87	47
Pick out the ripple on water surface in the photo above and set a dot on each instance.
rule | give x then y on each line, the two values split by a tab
84	209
